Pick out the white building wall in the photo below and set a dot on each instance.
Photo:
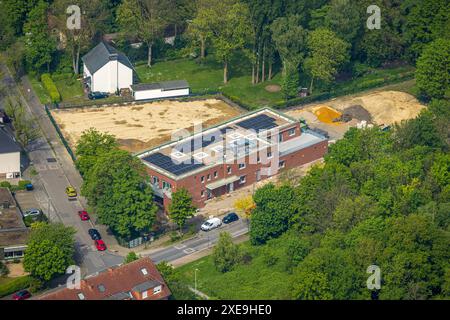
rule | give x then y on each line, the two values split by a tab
111	76
9	163
155	94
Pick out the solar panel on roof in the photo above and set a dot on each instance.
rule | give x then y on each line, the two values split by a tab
201	141
259	123
166	163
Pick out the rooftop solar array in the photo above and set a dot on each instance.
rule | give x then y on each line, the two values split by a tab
166	163
258	123
201	141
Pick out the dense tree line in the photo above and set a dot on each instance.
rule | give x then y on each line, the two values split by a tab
305	39
382	198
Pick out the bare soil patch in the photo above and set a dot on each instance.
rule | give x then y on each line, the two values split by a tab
143	126
273	88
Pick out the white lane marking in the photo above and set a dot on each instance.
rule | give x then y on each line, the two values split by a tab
179	246
189	250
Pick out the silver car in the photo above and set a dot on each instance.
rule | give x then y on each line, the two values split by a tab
32	212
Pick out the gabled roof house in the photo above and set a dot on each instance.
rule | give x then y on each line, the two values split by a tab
105	69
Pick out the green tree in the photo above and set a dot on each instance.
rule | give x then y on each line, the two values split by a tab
117	187
433	69
344	19
274	207
225	254
143	19
50	250
25	127
327	54
39	45
131	256
311	286
90	146
181	207
200	27
231	31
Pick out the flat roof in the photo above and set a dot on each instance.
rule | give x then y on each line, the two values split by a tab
13	231
164	85
222	143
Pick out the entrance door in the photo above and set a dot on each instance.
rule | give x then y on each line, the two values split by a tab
258	175
230	187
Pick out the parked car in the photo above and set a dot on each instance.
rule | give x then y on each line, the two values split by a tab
21	295
97	95
32	212
211	224
95	235
71	192
231	217
83	215
100	245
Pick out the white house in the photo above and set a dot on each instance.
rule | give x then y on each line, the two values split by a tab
105	69
9	157
167	89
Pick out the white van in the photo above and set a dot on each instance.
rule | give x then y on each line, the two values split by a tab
211	224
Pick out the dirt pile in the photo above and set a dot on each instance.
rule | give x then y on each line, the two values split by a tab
326	114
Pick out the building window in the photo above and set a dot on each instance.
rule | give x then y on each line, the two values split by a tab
269	155
242	179
280	137
144	271
202	179
215	174
229	170
155	180
157	290
241	166
258	159
281	164
144	295
208	177
166	185
291	132
202	193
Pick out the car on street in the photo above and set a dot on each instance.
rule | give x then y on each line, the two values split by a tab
100	245
95	235
71	192
97	95
83	215
21	295
211	224
32	213
231	217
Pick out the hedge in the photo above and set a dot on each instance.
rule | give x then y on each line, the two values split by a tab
14	285
50	86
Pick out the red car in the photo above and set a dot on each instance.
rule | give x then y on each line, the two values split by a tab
83	215
100	245
21	295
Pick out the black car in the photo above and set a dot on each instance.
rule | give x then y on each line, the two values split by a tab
230	217
97	95
95	235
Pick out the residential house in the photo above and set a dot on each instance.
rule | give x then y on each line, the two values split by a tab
137	280
9	157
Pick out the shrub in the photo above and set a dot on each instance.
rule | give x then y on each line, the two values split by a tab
5	184
3	269
23	183
15	285
50	86
269	258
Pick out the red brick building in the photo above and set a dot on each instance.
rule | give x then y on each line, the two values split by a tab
137	280
232	155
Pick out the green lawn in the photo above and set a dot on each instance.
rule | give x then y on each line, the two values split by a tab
70	89
42	94
255	280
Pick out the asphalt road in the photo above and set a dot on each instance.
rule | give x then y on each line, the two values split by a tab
55	172
202	241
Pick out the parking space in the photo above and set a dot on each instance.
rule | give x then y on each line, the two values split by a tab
27	200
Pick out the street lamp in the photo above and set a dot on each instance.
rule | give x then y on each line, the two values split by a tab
195	280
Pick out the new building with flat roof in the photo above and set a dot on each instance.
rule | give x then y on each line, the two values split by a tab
237	153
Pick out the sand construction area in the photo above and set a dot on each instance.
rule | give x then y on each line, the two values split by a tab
141	126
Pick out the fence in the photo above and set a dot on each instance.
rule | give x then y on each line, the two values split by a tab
61	136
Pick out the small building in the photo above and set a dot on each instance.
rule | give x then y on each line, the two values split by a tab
9	157
105	69
232	155
166	89
137	280
13	232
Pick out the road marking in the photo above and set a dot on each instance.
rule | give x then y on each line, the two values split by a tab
180	246
189	250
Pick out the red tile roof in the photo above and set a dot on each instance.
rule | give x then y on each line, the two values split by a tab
116	283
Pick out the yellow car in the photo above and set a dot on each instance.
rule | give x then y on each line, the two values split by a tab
71	192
